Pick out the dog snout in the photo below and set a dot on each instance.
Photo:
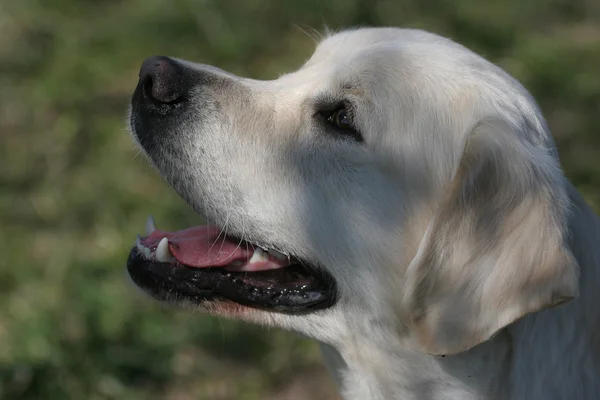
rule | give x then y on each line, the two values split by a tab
162	80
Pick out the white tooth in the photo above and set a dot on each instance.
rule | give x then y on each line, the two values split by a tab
278	255
258	256
147	252
150	225
162	251
140	247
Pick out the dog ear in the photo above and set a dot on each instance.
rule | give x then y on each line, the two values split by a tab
496	248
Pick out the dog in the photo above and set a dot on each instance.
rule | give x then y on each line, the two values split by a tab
398	198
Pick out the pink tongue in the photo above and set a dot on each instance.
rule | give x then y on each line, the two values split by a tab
200	246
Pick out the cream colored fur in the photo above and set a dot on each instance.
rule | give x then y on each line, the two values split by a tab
467	266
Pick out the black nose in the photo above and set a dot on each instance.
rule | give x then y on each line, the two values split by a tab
162	79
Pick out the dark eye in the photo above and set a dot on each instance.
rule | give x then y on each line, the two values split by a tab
341	120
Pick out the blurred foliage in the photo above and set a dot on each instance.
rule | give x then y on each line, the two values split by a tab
73	194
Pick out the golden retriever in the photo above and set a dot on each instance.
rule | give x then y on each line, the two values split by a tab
398	198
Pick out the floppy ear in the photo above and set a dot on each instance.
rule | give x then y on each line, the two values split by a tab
496	247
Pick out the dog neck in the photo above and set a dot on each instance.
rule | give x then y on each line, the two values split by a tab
403	371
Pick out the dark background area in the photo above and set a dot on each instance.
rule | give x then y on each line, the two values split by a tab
73	192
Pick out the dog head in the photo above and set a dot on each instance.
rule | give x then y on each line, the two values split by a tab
395	179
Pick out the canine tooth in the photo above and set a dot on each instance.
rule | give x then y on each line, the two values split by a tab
258	256
147	252
162	251
278	255
139	245
150	225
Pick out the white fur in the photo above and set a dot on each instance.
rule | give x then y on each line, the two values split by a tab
450	231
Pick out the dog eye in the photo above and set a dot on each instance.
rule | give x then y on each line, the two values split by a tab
341	120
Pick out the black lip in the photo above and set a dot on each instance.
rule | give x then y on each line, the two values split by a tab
277	290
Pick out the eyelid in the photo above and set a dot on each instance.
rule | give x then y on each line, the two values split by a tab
329	101
326	105
330	109
330	112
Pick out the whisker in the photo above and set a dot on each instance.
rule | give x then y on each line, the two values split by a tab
316	36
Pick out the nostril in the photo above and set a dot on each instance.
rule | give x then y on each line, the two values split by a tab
146	83
162	80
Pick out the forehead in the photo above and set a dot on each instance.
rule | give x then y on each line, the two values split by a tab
342	61
372	57
352	43
410	43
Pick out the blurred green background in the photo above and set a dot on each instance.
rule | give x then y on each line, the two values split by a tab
73	193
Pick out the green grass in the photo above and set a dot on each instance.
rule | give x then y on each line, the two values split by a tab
73	193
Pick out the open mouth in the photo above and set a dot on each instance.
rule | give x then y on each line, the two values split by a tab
202	264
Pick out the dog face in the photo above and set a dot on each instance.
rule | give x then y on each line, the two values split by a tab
394	179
